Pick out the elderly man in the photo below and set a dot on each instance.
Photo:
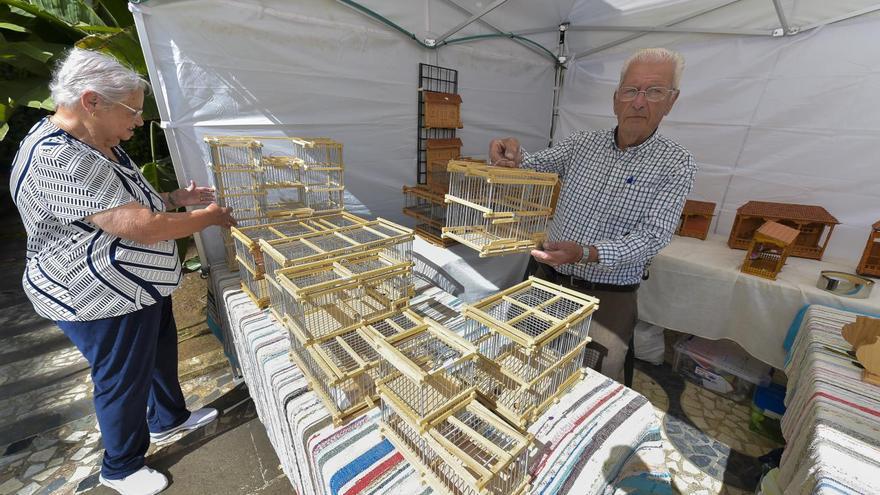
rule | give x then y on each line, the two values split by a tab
622	194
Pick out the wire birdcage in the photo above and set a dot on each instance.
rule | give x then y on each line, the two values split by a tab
394	240
424	372
429	208
497	210
331	297
248	251
471	451
532	337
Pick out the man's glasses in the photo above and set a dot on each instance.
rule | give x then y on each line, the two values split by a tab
134	112
652	94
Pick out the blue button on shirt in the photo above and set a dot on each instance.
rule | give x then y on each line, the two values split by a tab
626	203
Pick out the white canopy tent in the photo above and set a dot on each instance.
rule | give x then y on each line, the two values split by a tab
778	101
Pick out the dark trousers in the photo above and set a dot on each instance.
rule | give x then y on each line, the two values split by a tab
611	329
134	371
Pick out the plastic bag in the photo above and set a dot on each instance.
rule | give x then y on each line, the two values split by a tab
649	343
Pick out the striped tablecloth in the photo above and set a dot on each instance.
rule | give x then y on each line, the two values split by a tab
600	438
832	421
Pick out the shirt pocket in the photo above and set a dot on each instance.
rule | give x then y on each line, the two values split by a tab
633	201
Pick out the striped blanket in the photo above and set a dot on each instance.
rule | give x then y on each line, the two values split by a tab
600	438
832	422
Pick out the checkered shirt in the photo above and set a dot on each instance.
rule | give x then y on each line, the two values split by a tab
626	203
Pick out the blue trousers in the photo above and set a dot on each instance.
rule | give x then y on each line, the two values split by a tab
134	370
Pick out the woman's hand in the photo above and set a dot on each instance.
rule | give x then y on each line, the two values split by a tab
220	216
192	195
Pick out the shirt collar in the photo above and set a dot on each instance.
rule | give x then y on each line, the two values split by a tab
612	143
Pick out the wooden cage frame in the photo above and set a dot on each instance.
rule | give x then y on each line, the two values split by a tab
438	152
413	372
869	264
447	467
345	292
430	226
498	210
772	234
555	294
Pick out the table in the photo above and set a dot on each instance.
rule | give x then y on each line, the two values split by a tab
832	421
696	287
600	438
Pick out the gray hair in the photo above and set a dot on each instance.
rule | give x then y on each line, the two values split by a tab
657	55
86	70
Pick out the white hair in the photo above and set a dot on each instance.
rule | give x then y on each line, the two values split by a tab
87	70
657	55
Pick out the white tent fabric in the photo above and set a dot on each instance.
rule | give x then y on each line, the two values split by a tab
787	118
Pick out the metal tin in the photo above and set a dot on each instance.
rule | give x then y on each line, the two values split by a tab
845	284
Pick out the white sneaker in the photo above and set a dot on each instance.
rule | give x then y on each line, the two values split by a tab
197	419
144	481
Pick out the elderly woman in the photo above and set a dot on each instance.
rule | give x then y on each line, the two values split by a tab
102	261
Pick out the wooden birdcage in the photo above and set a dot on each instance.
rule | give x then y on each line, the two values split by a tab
696	216
532	338
869	265
425	371
814	223
470	452
438	152
770	247
442	110
429	208
343	369
330	297
249	255
497	210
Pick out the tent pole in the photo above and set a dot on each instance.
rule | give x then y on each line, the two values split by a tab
652	29
558	81
490	8
486	23
849	15
639	35
780	12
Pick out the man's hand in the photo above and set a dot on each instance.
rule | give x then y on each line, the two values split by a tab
192	195
504	153
557	253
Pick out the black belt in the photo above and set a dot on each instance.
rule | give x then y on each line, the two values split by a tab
579	283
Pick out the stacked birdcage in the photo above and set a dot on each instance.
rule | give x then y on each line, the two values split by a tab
429	209
342	369
249	256
531	338
470	451
394	241
264	179
497	210
431	414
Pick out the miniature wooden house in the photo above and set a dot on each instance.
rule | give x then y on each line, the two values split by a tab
770	247
442	110
814	223
695	219
497	210
437	155
869	265
429	209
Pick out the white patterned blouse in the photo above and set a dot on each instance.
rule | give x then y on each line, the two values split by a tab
627	203
76	271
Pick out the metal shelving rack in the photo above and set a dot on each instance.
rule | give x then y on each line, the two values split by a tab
442	80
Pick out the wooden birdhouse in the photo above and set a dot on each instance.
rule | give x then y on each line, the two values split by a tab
770	247
442	110
696	218
870	262
438	153
864	335
814	223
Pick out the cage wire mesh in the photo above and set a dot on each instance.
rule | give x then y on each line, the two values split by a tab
497	210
